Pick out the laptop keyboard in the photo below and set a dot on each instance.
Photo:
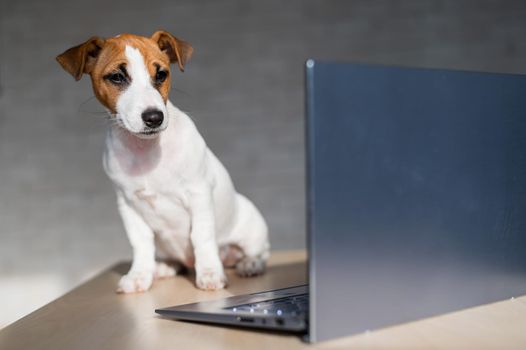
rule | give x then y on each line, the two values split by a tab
296	305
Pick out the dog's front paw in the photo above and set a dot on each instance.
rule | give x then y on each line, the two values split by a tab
211	279
135	282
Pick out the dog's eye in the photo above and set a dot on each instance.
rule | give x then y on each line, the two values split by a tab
117	78
161	76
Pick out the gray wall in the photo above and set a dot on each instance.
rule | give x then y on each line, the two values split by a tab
244	89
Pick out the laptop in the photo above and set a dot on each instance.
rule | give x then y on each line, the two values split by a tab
416	202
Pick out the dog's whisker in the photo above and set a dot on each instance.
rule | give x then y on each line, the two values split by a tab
98	114
181	91
187	111
82	104
87	100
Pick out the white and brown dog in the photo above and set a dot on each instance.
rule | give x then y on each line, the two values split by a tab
176	199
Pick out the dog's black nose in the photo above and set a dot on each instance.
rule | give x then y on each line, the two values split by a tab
153	118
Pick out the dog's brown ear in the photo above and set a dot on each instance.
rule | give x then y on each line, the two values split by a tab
81	58
177	50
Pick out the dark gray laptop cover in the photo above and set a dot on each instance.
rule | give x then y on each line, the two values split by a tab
416	193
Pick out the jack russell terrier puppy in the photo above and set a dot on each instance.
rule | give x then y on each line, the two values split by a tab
176	199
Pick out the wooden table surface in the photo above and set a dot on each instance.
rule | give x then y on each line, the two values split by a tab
92	316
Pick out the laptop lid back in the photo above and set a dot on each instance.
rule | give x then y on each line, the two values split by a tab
416	193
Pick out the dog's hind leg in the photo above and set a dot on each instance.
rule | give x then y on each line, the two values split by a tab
230	255
251	235
251	266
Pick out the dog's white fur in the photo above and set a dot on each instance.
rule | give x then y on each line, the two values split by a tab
176	199
140	95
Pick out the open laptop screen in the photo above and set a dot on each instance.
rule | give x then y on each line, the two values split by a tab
416	193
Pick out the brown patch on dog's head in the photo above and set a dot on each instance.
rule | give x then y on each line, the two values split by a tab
105	61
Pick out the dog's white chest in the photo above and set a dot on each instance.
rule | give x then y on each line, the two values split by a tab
164	211
150	183
160	200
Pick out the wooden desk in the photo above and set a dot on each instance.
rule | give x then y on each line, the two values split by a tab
92	316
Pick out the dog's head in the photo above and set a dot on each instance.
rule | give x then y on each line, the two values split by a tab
130	75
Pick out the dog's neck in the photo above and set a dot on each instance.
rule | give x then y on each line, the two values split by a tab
136	156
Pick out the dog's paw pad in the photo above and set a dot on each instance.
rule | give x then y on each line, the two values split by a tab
211	279
135	282
165	270
250	266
